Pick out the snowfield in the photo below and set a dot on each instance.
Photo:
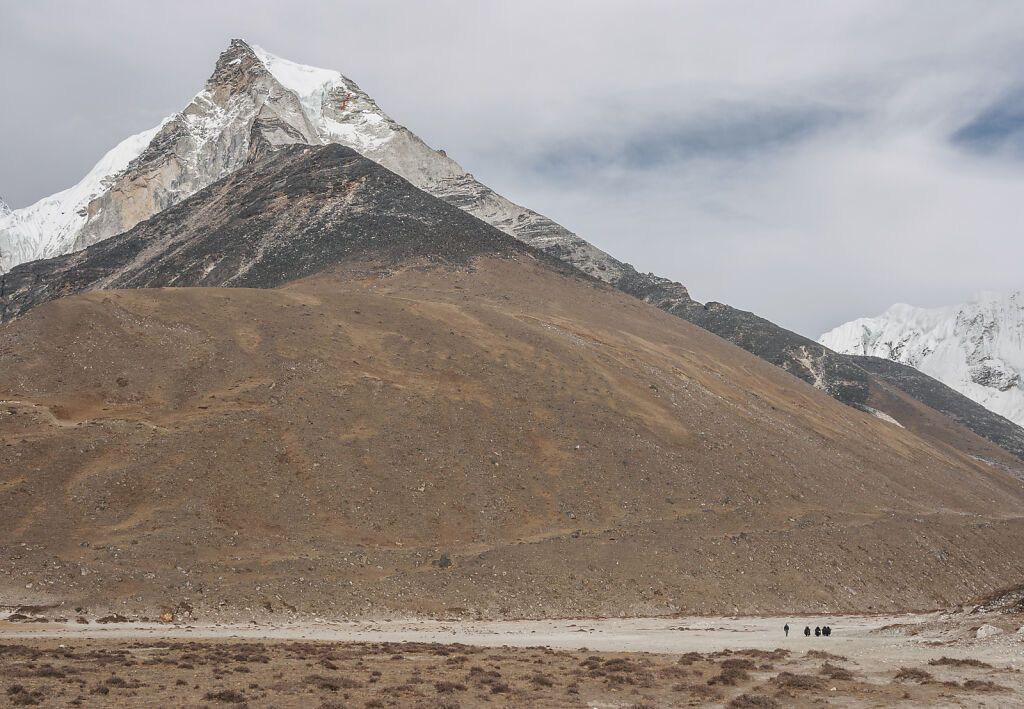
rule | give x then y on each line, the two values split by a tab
48	227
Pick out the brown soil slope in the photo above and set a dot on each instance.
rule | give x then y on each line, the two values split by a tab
496	439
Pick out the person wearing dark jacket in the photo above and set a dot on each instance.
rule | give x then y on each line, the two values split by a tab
785	629
826	631
817	631
807	630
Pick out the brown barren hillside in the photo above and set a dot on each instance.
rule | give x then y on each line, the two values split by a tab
494	439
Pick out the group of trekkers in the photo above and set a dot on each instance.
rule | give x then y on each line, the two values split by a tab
819	630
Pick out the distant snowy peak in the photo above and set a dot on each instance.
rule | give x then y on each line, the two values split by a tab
976	348
252	104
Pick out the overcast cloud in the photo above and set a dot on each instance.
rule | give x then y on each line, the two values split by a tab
810	161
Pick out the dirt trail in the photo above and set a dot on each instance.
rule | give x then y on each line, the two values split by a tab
908	638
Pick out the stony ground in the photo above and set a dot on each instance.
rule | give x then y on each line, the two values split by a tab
488	442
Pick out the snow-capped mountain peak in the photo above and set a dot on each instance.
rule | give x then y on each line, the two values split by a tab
976	348
253	103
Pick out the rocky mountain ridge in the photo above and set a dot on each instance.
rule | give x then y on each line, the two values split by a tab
287	216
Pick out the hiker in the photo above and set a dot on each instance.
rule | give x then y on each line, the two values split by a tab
817	632
807	631
826	631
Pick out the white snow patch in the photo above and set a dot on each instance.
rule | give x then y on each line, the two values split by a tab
365	128
882	415
309	83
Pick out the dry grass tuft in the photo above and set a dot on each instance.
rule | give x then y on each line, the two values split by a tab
980	685
835	672
913	674
959	662
753	701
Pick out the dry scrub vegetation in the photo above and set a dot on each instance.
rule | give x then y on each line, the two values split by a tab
108	673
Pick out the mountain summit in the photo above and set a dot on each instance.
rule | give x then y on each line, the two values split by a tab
256	102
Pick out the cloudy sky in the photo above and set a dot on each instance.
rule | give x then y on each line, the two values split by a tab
810	161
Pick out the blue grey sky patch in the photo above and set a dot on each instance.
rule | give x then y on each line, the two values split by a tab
732	133
997	129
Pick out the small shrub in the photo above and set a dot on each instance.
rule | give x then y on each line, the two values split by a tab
542	680
24	699
620	664
836	672
776	654
738	663
333	684
913	674
729	676
449	687
753	701
958	662
979	685
619	678
673	672
822	655
788	680
701	691
226	695
50	671
19	696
